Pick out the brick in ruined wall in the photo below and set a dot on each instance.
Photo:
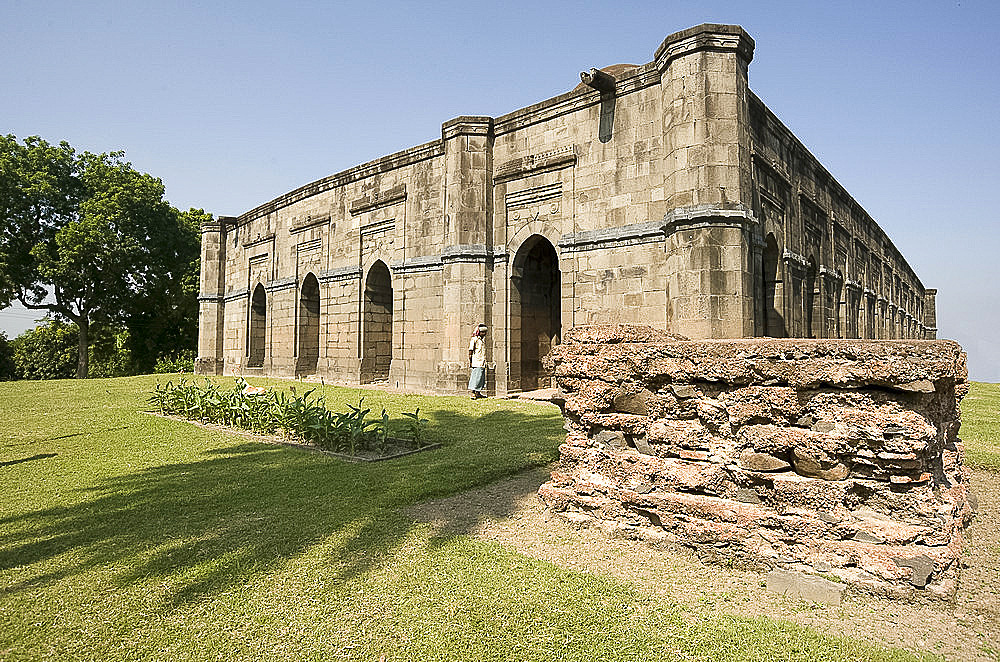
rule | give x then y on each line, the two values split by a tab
809	466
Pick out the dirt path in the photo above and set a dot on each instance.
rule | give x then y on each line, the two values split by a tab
509	512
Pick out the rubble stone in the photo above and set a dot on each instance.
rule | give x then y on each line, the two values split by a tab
802	455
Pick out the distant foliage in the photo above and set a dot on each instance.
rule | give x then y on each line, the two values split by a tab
48	351
6	359
182	361
301	417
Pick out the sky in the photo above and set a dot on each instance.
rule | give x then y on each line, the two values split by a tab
232	104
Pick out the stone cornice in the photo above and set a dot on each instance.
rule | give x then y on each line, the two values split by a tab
217	225
626	235
467	125
704	37
708	215
418	264
280	284
339	274
236	295
363	171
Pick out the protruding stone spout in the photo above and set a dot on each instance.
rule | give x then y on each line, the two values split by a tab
598	80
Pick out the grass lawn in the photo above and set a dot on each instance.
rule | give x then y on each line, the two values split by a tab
125	536
981	426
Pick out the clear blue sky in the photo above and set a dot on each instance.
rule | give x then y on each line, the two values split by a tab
234	103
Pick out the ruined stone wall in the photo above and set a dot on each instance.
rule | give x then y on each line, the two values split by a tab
833	457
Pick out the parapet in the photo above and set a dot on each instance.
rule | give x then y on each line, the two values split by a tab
832	457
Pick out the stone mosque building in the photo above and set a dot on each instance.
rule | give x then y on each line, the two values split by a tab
664	194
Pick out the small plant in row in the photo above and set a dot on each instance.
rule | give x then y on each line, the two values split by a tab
302	417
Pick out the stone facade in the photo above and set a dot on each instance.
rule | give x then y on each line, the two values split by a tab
835	457
664	194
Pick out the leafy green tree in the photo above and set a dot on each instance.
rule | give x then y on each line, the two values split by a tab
163	320
46	352
91	240
6	359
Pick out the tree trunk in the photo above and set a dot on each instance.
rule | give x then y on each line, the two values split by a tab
83	354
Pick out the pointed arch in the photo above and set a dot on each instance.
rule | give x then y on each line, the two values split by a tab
535	310
257	336
376	346
308	326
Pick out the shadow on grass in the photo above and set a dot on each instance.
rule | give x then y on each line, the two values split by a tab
200	526
39	456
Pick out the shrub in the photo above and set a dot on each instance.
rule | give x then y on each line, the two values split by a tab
48	351
182	361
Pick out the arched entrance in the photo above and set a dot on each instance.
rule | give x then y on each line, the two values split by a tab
376	347
308	341
535	305
774	321
258	326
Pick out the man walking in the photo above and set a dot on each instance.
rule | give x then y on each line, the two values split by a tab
477	361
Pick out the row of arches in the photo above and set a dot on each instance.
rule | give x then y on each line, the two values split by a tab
534	318
798	301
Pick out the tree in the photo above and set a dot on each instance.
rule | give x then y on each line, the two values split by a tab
88	238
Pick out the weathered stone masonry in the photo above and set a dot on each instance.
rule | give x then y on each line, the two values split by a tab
838	457
664	194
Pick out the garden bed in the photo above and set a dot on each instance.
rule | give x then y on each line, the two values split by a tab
396	447
299	420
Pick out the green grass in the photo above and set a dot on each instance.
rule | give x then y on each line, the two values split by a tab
125	536
981	426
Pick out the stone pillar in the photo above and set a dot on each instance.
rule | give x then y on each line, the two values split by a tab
467	255
713	240
930	314
211	297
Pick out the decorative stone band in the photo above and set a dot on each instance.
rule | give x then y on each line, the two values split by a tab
379	199
339	274
704	37
307	246
697	216
378	226
467	125
418	265
235	295
832	274
280	284
535	163
210	298
852	285
791	256
533	196
627	235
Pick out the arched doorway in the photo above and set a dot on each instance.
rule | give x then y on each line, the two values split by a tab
774	321
376	348
535	305
308	345
258	325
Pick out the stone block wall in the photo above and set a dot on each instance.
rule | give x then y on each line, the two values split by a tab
826	456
